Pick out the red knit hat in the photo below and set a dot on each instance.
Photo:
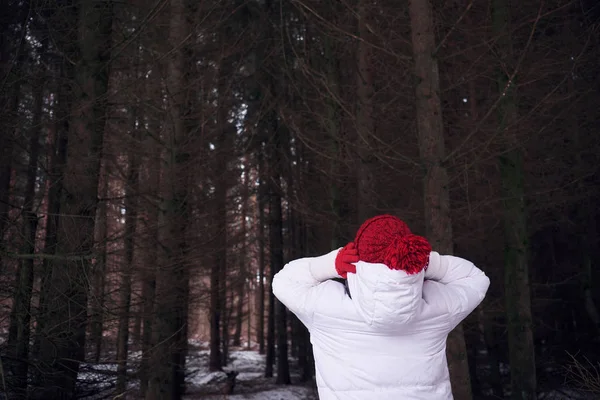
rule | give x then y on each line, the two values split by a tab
387	239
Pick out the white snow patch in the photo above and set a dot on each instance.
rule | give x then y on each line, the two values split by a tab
205	379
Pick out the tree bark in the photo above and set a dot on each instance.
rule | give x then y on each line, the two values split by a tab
365	125
99	278
215	359
58	157
66	305
239	313
19	329
249	310
588	233
7	142
304	346
270	345
152	184
169	338
218	308
431	148
243	258
226	307
516	268
490	341
260	326
516	280
276	245
333	130
131	212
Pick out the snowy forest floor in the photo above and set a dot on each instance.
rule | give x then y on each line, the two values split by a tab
250	381
97	381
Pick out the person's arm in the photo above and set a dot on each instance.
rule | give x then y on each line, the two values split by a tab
462	286
299	284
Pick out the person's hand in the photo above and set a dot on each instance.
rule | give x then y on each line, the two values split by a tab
345	257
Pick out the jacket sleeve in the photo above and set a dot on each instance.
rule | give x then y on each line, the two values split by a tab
459	286
301	283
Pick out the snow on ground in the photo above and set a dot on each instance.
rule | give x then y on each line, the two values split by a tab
99	380
248	364
250	383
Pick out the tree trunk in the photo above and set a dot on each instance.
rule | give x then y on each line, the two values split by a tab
58	159
239	313
131	212
151	213
226	304
249	298
276	245
304	346
270	345
516	268
136	329
67	303
218	307
431	148
485	321
58	137
226	307
172	280
260	326
516	280
7	142
243	258
364	119
99	279
333	130
588	233
19	330
490	341
215	359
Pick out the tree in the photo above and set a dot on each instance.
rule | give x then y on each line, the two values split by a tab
241	282
99	278
131	213
13	73
431	149
261	198
58	157
66	304
19	330
169	337
218	285
276	247
364	117
516	268
151	210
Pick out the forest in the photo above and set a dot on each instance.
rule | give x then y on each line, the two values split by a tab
161	160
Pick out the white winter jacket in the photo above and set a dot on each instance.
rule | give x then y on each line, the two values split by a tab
387	340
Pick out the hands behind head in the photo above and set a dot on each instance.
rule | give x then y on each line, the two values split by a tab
345	259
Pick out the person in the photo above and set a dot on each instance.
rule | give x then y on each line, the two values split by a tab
385	337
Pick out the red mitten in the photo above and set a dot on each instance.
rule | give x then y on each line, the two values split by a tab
345	257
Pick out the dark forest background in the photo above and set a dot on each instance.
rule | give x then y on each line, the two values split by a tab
161	160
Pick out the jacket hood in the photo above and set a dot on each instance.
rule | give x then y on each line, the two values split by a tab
386	299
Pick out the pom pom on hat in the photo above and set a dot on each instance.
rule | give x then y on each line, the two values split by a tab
387	239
